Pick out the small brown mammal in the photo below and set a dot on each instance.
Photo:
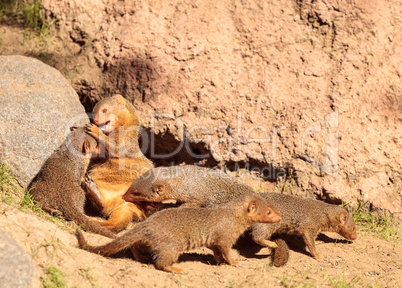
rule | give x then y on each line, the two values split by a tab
57	186
304	217
110	176
168	233
203	187
192	185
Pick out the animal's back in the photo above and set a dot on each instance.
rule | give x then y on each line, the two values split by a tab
298	213
58	183
217	187
199	186
57	186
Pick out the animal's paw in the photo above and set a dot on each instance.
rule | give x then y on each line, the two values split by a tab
93	130
318	257
93	193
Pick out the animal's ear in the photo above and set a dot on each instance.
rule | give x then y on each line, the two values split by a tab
343	218
158	189
119	99
252	207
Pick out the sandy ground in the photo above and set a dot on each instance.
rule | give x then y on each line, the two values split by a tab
366	262
276	78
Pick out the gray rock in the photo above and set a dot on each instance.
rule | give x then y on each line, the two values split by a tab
16	267
37	107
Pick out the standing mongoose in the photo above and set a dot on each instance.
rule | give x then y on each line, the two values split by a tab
192	185
304	217
57	186
168	233
206	187
116	128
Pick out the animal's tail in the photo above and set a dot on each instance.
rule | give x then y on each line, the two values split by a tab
122	216
280	255
108	249
79	218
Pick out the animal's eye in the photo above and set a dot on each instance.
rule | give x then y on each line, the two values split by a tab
104	110
269	212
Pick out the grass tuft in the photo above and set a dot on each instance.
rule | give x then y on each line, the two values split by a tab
30	204
9	190
54	278
385	227
13	195
29	14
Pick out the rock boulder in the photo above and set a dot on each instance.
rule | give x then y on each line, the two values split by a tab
37	107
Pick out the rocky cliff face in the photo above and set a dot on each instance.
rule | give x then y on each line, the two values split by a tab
307	91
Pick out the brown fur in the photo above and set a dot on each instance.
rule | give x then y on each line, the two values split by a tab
57	186
303	217
203	187
168	233
192	185
280	256
110	176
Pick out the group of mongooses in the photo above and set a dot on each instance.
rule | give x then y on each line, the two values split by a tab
110	168
121	183
202	187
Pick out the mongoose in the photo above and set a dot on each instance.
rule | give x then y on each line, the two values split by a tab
206	187
57	186
304	217
116	128
192	185
168	233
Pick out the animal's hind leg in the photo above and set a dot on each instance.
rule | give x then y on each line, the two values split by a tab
310	242
226	252
137	250
51	211
164	261
217	255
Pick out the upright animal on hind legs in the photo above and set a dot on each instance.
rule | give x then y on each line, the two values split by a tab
116	128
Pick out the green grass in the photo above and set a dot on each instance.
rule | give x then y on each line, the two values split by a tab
384	227
19	198
54	278
342	282
299	279
288	185
28	203
88	274
10	192
307	279
15	196
29	14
